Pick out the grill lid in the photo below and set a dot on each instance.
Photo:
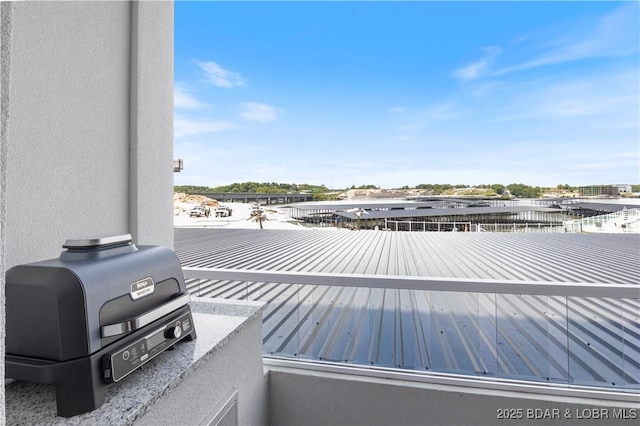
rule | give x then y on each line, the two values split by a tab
124	239
96	292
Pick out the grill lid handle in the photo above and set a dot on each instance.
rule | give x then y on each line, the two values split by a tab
84	243
144	319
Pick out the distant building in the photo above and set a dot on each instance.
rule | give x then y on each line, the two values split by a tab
603	190
623	188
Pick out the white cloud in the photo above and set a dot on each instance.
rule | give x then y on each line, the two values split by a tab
190	127
587	106
615	34
220	77
181	99
475	70
612	97
263	113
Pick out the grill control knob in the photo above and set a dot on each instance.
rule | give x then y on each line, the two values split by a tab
174	332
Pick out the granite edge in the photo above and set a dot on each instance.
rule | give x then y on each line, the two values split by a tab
248	311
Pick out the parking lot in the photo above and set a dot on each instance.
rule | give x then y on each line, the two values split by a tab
240	218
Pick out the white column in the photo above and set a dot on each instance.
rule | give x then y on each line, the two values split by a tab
151	125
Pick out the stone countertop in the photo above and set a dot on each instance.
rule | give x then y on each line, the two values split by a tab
216	321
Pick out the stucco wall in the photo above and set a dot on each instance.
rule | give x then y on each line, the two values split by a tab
6	21
151	117
68	133
87	126
78	110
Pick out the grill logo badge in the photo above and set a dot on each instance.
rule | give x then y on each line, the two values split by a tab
142	288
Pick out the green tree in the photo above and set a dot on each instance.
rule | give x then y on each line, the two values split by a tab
524	191
191	188
257	187
498	188
435	189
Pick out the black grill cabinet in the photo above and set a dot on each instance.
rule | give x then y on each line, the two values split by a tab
90	317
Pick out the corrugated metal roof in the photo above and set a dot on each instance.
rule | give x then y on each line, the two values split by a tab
524	337
604	207
378	204
581	258
459	211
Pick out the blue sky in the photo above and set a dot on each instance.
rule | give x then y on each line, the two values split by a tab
404	93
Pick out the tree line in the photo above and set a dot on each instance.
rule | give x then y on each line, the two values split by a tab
321	192
257	187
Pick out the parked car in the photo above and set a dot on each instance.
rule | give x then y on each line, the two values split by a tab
255	208
200	211
223	211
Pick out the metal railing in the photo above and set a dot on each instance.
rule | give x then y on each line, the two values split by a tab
465	285
466	226
550	228
582	330
423	226
624	221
